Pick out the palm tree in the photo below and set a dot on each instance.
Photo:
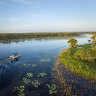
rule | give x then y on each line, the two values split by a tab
94	39
73	43
89	41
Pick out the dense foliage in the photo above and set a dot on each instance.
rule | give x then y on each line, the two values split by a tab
7	36
80	60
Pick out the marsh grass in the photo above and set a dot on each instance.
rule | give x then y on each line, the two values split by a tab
84	68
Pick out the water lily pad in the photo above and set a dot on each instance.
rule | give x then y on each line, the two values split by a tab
29	75
20	90
45	60
34	65
41	74
26	80
52	88
26	65
35	83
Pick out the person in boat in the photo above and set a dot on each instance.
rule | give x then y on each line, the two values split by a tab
14	56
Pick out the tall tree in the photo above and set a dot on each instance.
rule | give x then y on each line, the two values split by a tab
73	43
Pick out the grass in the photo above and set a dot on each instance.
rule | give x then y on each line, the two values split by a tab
80	67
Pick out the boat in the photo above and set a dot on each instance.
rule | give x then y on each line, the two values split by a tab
14	56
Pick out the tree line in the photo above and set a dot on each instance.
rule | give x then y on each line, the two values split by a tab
6	36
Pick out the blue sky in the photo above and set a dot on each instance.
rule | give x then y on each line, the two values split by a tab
47	15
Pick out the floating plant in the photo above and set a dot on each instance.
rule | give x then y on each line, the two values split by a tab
35	83
45	60
29	75
26	65
34	65
41	74
26	80
52	88
20	90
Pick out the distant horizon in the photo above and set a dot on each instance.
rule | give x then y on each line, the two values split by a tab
47	32
22	16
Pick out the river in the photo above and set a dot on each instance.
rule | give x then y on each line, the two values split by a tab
37	58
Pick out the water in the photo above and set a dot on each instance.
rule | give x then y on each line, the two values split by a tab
40	53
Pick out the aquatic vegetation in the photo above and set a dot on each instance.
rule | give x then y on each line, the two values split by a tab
41	74
34	65
26	80
29	75
26	65
35	83
20	90
45	60
29	65
52	88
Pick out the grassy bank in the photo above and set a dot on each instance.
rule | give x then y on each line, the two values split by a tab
83	67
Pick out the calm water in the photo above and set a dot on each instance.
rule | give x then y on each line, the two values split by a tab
37	56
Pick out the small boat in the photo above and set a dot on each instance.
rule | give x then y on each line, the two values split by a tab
14	56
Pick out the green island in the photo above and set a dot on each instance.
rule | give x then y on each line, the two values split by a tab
14	36
80	59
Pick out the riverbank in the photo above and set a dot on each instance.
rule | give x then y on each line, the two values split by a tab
70	84
85	67
16	36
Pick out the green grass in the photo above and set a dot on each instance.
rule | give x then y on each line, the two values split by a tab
80	67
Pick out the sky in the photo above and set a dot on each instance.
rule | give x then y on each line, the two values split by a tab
47	16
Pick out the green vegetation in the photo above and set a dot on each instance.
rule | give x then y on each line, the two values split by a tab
81	60
35	83
26	65
73	43
89	41
45	60
29	75
94	39
52	88
29	65
20	90
9	36
41	74
26	80
34	65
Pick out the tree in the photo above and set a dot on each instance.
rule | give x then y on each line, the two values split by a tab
89	41
73	43
94	39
